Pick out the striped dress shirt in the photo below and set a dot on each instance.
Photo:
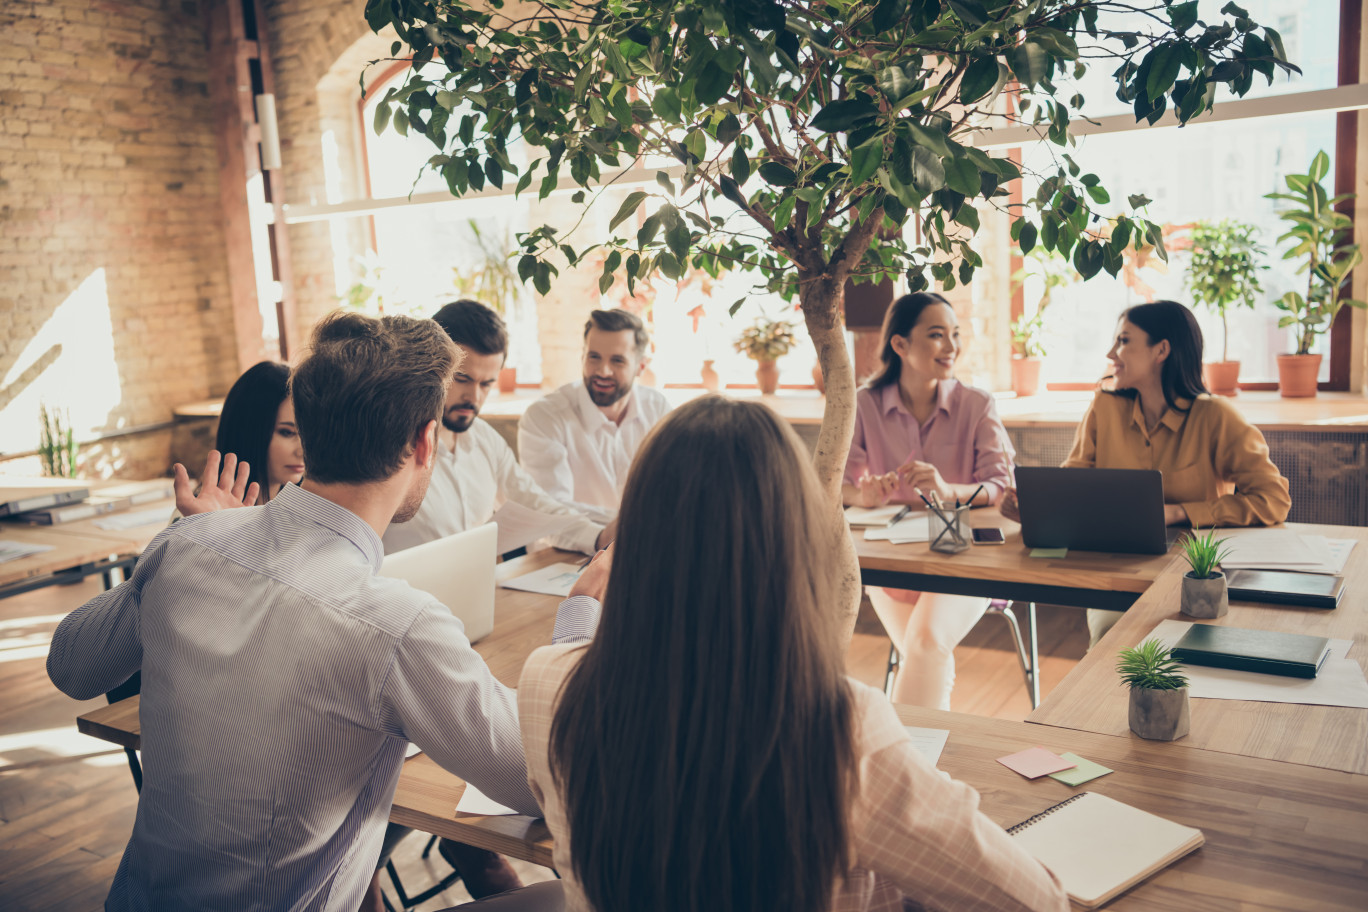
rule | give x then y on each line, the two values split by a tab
281	682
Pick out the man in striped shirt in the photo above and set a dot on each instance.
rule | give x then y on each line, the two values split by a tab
282	679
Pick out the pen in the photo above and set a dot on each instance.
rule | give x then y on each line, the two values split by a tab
897	517
970	501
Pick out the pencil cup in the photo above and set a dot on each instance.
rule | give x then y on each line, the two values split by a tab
950	530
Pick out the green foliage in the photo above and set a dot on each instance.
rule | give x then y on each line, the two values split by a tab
1204	552
1026	331
1223	269
56	444
1054	271
766	339
1318	233
1150	666
798	132
493	280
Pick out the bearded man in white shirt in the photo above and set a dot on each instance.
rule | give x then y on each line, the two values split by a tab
475	471
579	442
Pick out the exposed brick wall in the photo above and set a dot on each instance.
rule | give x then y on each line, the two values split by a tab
113	280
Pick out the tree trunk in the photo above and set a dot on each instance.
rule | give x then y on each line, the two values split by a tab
821	299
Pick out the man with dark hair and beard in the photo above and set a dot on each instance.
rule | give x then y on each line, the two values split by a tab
579	441
475	471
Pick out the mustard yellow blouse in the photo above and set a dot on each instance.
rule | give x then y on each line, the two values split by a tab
1215	463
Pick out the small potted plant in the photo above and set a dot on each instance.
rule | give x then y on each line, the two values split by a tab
1158	692
765	341
1223	273
1204	586
1319	234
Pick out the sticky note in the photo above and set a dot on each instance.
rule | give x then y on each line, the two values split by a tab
1083	771
1049	552
1035	762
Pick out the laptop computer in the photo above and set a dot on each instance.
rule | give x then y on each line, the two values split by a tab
458	570
1118	510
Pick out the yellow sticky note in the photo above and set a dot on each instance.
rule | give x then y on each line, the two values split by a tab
1083	771
1049	552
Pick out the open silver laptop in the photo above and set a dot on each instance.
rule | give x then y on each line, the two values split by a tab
458	570
1117	510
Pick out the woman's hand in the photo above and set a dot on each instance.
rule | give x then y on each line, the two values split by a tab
593	579
218	490
1175	515
926	478
875	490
1008	506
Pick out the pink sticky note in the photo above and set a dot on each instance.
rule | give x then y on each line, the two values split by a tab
1035	762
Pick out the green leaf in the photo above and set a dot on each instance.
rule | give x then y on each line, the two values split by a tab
969	12
783	212
1164	62
928	174
740	167
728	129
1028	238
1029	62
597	112
893	82
628	207
865	160
1138	200
731	191
845	113
777	175
493	172
926	137
665	104
1099	195
962	176
1183	16
712	82
979	78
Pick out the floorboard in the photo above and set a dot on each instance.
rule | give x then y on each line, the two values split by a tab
67	802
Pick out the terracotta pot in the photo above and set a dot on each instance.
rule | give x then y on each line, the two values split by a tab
1204	598
1222	377
508	379
818	380
767	375
711	381
1025	376
1159	715
1297	375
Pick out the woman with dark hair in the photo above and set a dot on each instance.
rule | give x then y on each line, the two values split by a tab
257	425
706	750
1159	416
919	432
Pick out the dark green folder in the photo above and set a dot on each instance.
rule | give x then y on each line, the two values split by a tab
1291	654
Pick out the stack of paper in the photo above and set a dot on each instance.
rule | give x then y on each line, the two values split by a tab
555	579
1283	549
911	528
12	550
872	516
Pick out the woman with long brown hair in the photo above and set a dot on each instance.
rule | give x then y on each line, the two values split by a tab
706	750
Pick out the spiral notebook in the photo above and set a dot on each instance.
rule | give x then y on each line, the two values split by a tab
1099	847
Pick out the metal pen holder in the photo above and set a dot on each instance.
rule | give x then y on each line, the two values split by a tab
949	529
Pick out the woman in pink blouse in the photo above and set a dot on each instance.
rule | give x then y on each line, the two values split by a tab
920	431
706	751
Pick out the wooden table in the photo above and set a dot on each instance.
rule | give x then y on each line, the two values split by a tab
72	557
1336	737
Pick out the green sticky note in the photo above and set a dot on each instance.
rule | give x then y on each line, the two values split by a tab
1049	552
1083	771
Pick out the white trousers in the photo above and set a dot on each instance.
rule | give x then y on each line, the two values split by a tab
926	632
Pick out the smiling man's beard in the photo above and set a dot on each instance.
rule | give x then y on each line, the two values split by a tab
604	400
461	424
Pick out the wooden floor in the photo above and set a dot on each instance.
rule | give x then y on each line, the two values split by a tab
67	802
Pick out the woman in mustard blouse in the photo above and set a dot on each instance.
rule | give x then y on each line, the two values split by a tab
1159	416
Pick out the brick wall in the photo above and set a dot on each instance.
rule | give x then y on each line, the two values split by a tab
113	284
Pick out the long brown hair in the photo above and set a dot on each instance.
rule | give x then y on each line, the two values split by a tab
899	319
704	745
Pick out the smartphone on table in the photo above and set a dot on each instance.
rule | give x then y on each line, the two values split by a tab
989	536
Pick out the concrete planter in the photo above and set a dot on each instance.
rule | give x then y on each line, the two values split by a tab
1159	715
1204	598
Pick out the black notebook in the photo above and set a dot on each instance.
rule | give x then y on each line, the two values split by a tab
1291	654
1313	590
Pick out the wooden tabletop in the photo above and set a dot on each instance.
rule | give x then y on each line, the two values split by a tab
68	550
1336	737
1096	574
127	541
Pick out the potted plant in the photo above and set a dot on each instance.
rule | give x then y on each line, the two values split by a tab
1204	585
1319	235
1158	692
57	444
1223	273
765	341
1055	272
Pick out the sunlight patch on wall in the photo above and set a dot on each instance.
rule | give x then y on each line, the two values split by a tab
69	364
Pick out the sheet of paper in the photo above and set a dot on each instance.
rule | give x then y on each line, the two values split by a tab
412	750
1050	552
10	550
1332	554
520	526
118	522
1035	762
872	516
1340	681
911	528
555	579
929	742
474	801
1083	771
1268	549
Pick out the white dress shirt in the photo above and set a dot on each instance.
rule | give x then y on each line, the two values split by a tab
578	454
472	481
282	680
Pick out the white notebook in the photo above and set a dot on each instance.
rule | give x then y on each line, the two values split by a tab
1099	847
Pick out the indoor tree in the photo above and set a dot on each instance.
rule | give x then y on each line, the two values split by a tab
811	143
1223	269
